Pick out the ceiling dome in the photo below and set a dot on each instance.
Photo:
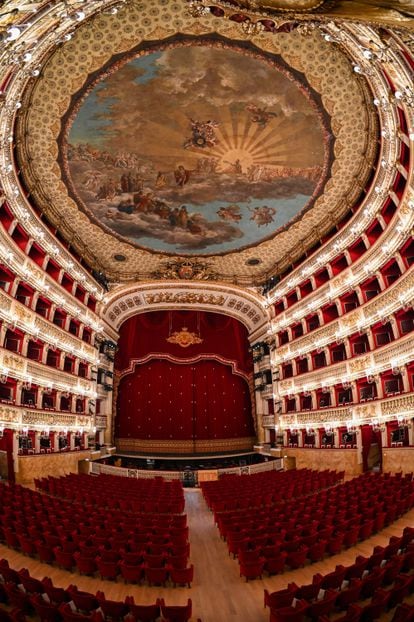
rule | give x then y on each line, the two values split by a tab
157	137
196	146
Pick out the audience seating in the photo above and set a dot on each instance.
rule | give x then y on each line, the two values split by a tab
306	530
54	604
123	541
350	587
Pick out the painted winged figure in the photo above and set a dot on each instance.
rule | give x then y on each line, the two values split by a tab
262	215
261	116
231	212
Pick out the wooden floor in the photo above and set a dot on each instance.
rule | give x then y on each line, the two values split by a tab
218	593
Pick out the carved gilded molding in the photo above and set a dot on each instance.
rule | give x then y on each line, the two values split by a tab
16	417
385	303
376	411
17	314
25	268
343	95
43	375
246	306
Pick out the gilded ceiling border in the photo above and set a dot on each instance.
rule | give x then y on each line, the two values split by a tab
48	101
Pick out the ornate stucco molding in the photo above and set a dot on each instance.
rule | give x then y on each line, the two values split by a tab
245	306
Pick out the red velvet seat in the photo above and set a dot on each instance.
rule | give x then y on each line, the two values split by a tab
47	612
317	551
290	614
144	613
392	568
85	602
366	530
379	521
356	570
275	565
372	582
182	576
176	613
155	561
56	595
280	598
375	608
352	615
85	565
131	574
156	576
70	616
44	552
132	559
296	559
270	551
30	584
349	595
324	606
351	537
9	575
26	545
18	598
400	590
333	580
63	559
11	538
112	609
178	561
107	569
252	570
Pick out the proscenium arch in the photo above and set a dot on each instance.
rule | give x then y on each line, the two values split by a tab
142	347
247	307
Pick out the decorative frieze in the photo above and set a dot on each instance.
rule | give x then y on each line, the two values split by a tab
398	405
9	415
247	307
375	411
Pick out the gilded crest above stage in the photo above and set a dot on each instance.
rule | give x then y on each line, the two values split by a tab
154	134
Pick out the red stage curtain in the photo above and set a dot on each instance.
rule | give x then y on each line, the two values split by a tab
165	400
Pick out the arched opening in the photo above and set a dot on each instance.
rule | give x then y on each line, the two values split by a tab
184	384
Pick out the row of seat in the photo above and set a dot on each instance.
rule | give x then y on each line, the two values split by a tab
341	500
32	596
265	489
348	520
111	546
386	578
114	492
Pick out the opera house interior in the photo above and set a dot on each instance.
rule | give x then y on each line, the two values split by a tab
227	420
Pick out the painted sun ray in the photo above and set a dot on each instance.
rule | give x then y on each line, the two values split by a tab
262	136
245	136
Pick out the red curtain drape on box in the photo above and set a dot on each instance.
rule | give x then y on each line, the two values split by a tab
180	399
369	437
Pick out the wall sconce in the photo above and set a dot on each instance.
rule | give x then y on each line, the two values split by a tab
377	426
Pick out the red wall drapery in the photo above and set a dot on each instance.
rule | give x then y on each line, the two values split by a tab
147	333
200	392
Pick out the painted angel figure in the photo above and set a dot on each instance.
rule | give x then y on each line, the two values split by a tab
261	116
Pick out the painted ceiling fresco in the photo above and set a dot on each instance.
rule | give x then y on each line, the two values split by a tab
196	148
